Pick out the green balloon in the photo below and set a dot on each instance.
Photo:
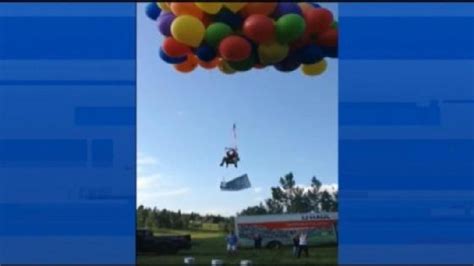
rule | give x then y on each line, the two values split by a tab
244	65
216	32
225	68
334	25
289	28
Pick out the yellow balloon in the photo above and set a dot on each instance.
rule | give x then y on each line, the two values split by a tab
315	69
188	30
225	68
235	6
272	53
164	6
209	7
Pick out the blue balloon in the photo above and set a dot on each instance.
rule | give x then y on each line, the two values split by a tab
310	54
284	8
230	18
315	5
172	60
290	63
153	11
331	52
206	53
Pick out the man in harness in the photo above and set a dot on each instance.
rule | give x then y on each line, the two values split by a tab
231	157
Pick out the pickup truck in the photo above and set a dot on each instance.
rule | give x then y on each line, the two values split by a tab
148	243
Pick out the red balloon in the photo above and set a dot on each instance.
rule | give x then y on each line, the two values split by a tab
173	48
259	28
318	19
302	41
206	20
328	38
264	8
235	48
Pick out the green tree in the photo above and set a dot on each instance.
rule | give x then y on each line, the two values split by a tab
178	220
255	210
299	201
326	201
167	218
335	205
273	207
282	195
314	194
289	198
141	216
154	218
151	221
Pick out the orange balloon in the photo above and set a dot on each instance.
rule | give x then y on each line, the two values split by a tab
263	8
209	65
187	66
305	7
186	8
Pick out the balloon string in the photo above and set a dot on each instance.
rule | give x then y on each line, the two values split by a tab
234	132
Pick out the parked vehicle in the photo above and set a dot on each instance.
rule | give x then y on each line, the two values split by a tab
148	243
279	229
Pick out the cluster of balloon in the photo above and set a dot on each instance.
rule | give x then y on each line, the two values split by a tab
239	36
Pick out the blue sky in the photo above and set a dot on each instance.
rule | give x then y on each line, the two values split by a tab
285	121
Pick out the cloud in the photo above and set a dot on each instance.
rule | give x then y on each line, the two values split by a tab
160	197
257	189
145	182
330	188
325	187
153	185
168	193
259	199
146	160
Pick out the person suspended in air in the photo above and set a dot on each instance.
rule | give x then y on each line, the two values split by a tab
231	157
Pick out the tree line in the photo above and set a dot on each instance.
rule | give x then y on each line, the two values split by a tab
153	218
286	197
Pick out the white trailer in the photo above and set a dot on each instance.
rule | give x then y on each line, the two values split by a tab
279	229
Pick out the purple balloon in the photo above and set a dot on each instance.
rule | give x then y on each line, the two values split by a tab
164	23
284	8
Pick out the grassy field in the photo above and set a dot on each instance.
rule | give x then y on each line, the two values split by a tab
211	245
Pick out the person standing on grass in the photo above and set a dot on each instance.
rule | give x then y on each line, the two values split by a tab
257	240
296	244
232	241
303	244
